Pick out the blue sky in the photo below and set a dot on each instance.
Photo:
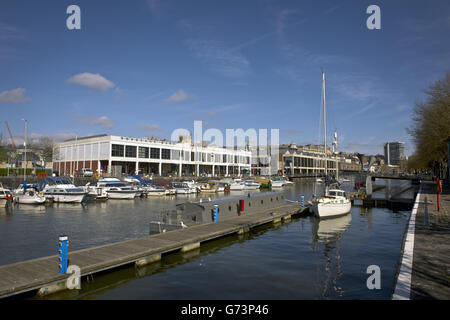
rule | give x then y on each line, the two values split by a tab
144	68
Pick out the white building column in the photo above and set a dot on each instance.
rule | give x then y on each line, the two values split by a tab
136	171
197	169
213	170
180	167
109	166
226	170
160	168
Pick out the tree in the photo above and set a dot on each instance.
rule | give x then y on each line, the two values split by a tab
431	125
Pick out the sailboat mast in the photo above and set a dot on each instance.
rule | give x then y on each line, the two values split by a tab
324	123
25	153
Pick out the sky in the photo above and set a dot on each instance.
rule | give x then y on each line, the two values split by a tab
147	67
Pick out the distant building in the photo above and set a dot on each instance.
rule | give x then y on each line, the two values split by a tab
116	155
394	152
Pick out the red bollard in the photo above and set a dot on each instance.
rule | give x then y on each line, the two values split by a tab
437	193
241	207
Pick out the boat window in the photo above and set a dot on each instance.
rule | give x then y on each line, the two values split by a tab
262	201
332	193
229	208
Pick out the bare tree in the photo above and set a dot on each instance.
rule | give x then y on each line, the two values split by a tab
431	125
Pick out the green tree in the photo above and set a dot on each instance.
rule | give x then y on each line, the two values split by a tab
431	125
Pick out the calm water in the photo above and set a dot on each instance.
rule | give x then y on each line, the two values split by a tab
302	259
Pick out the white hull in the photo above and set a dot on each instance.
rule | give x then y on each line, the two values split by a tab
66	198
251	187
277	184
182	191
29	200
237	187
328	209
156	192
121	194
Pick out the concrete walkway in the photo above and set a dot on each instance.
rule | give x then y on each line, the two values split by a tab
431	259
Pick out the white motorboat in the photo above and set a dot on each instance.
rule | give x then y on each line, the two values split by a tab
96	192
237	186
251	185
60	189
277	183
117	189
208	188
181	188
193	187
66	195
334	202
152	190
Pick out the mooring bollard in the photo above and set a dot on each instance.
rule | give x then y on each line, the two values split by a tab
62	254
241	206
303	202
215	213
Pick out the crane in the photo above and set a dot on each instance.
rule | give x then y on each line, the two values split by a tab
10	135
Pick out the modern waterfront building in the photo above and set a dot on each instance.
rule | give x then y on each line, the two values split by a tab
394	152
115	155
306	160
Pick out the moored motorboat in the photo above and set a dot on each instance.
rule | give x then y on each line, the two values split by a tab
181	188
251	185
208	188
60	189
116	189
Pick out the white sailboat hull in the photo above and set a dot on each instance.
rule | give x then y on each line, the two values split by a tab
330	209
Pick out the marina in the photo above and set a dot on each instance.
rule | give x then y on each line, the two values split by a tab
207	151
109	246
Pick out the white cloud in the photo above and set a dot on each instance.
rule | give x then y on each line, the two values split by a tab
179	96
94	82
14	96
103	121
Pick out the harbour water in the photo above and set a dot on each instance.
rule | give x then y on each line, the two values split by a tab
302	259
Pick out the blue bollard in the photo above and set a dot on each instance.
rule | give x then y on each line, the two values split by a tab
303	202
62	254
215	213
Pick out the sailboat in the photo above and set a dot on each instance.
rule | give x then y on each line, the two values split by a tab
24	193
334	202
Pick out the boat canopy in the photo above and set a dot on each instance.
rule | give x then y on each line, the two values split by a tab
53	181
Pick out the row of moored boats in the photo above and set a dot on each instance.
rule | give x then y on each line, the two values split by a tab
62	189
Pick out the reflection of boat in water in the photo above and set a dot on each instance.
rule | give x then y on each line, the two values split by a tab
326	229
328	233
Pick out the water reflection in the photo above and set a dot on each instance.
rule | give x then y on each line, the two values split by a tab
328	232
